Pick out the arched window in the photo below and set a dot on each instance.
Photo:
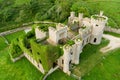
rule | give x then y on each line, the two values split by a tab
95	40
96	25
40	61
38	53
83	43
62	61
71	53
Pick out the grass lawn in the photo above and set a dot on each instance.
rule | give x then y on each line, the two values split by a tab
111	33
24	70
94	65
13	36
21	70
89	58
108	69
59	75
2	43
111	9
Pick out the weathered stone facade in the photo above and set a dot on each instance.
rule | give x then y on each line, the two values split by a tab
59	33
90	31
40	34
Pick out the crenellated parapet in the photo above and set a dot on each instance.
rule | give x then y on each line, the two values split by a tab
60	32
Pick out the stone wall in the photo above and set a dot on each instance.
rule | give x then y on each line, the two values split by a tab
17	58
50	71
37	65
56	34
109	29
40	34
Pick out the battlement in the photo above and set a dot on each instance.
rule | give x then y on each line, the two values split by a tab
72	14
99	18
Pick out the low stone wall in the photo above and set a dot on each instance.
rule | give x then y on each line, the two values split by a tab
17	58
109	29
50	71
76	77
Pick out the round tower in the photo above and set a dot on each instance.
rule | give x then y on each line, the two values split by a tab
98	23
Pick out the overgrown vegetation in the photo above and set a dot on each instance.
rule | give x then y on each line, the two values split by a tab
2	43
70	42
15	12
20	44
15	50
44	27
43	54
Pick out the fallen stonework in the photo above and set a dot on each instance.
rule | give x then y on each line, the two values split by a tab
114	43
17	58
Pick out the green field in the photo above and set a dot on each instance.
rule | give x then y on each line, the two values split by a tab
22	69
2	43
54	10
94	65
108	69
89	58
92	62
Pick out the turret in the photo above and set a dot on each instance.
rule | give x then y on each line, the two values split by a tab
98	23
72	14
80	16
67	58
77	50
70	19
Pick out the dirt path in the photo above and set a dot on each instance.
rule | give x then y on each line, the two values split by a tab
114	43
